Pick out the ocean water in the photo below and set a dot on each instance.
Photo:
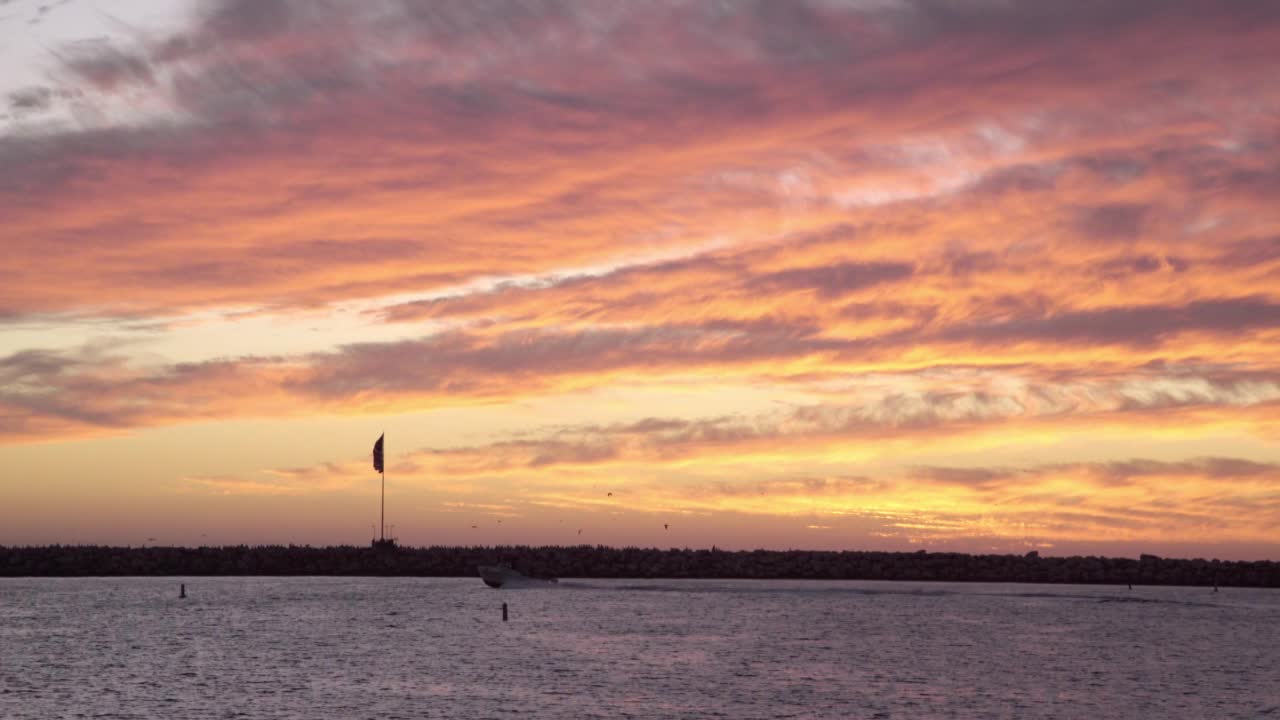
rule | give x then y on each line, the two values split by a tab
437	648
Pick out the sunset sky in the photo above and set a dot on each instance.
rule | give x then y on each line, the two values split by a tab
846	274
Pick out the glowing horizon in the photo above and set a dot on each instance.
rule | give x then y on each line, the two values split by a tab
830	275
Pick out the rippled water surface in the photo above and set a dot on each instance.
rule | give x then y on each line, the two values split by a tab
437	647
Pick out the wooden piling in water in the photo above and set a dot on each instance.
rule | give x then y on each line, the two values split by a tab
182	590
504	612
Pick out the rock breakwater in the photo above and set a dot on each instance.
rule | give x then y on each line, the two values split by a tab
585	561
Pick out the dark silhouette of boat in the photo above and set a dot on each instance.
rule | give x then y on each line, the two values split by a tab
496	576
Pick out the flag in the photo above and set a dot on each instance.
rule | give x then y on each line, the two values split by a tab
377	453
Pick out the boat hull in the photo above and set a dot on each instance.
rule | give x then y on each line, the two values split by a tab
496	576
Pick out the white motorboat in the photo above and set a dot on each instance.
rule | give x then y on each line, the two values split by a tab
496	576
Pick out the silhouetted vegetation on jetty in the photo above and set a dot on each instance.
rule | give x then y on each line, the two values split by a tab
586	561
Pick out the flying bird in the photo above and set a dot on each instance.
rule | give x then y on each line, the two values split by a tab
665	526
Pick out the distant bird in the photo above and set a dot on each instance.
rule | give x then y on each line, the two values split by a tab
665	526
610	494
579	531
151	539
475	526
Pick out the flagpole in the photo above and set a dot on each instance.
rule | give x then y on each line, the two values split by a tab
383	532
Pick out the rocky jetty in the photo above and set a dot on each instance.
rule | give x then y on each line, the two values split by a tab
586	561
